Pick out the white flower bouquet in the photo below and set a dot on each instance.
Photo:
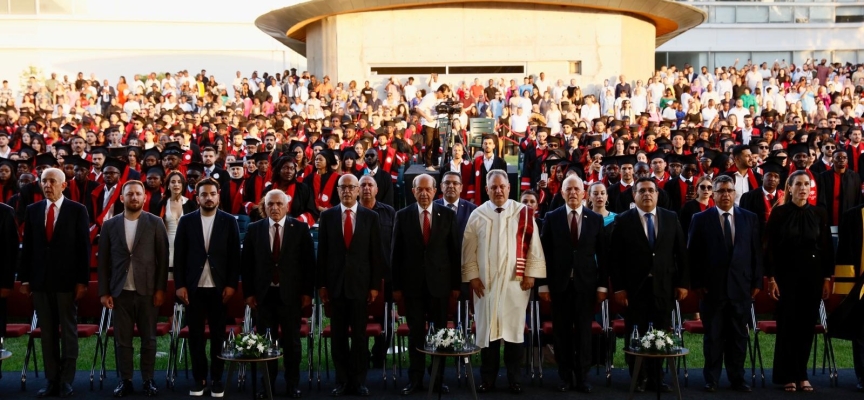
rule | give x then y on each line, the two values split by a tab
657	342
250	345
448	340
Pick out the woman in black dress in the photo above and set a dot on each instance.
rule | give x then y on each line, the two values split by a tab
799	261
702	202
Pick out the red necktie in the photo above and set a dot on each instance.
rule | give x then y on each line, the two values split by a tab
770	197
277	251
348	228
49	222
427	227
574	227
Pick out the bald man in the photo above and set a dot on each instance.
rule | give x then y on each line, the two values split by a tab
55	268
577	277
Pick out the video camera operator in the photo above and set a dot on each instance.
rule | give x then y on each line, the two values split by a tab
428	115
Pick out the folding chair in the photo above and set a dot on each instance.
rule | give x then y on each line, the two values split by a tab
762	304
825	308
19	307
89	308
376	311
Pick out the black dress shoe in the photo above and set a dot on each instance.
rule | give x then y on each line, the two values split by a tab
66	390
640	386
294	392
515	388
51	390
444	389
362	391
485	387
123	389
658	387
338	390
150	388
860	386
411	388
564	386
710	387
741	387
584	387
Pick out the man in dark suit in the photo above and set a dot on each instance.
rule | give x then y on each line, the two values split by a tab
484	163
427	270
278	280
382	177
9	247
653	271
577	277
350	268
105	200
386	216
621	193
682	188
742	173
206	272
55	267
133	275
452	186
727	240
211	170
839	187
762	200
850	249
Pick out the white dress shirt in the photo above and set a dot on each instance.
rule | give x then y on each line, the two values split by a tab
353	216
487	162
742	185
131	227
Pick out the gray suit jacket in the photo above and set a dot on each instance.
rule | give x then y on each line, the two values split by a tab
149	254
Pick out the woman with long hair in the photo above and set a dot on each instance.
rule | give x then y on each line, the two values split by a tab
702	202
175	205
598	200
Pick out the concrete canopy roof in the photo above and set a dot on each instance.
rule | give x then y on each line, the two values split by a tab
288	25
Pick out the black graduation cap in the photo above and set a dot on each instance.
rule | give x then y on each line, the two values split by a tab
99	150
251	141
67	127
117	152
844	130
155	170
46	159
7	162
544	129
702	143
349	152
349	125
772	164
554	139
676	133
673	158
261	157
172	148
3	132
688	159
297	145
610	160
329	156
595	151
135	149
28	152
662	142
798	148
235	164
628	159
78	161
116	163
556	162
720	161
568	122
709	154
195	166
594	138
61	146
657	154
153	151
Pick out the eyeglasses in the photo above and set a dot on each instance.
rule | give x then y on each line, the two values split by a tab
633	147
830	147
369	156
706	187
725	191
763	147
554	146
347	188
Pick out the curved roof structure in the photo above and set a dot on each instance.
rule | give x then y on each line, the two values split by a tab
288	25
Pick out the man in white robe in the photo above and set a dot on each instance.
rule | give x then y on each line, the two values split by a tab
501	256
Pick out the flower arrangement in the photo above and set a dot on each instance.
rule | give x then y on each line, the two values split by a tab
446	340
657	342
249	345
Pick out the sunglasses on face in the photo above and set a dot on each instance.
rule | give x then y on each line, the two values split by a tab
763	147
634	147
830	147
706	187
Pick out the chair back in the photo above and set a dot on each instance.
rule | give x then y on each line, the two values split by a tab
167	308
90	306
19	305
763	304
243	222
236	306
477	128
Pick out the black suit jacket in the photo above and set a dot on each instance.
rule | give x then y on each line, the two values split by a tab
58	265
223	252
586	262
418	268
296	258
667	261
726	276
754	201
349	273
756	175
850	191
8	246
385	186
462	213
497	163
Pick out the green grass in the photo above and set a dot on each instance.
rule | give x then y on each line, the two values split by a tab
842	351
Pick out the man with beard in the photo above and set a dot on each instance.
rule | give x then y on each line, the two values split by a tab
133	276
382	178
762	200
105	199
232	194
207	270
211	170
620	195
682	188
611	171
194	173
484	163
839	187
253	189
97	157
81	187
301	204
171	157
746	179
154	190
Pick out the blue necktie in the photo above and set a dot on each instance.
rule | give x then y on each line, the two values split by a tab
727	232
651	234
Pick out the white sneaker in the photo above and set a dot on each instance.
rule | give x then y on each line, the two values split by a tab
198	390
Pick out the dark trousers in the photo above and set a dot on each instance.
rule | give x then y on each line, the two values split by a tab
418	311
490	361
858	342
572	314
58	312
351	362
272	314
644	308
725	337
797	312
205	306
432	139
131	309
